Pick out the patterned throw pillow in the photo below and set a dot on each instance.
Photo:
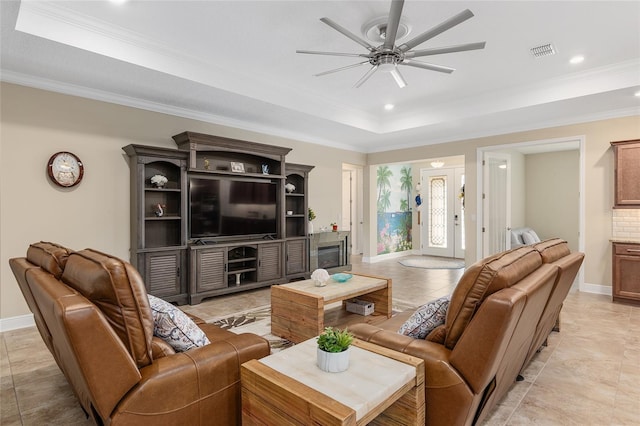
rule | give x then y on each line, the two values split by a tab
426	318
175	327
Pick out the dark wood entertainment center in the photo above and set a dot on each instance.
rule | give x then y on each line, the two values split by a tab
182	269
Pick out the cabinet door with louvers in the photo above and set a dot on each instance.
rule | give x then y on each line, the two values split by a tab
162	273
269	261
210	271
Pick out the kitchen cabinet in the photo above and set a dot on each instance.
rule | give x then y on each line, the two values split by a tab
627	173
626	273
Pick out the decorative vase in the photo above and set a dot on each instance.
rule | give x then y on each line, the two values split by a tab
310	227
333	362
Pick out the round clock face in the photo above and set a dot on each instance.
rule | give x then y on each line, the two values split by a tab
65	169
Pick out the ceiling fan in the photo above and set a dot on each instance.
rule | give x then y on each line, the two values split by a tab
388	55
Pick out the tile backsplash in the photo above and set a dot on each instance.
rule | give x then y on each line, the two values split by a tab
626	224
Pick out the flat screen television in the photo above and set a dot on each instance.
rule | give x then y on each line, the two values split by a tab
222	208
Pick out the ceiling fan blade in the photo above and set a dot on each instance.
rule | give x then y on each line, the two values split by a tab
395	73
340	69
392	25
438	29
366	76
315	52
448	49
348	33
431	67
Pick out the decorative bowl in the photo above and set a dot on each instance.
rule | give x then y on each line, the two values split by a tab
341	278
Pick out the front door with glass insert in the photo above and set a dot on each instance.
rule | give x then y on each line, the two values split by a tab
442	217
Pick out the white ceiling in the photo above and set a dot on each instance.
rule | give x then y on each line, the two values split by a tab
234	63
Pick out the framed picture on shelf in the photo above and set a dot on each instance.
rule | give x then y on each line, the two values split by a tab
237	167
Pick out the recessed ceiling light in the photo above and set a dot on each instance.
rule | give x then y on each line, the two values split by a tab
637	93
118	1
389	107
576	59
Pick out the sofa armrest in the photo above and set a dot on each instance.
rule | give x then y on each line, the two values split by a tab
438	372
192	387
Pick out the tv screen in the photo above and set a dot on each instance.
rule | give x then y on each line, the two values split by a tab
230	207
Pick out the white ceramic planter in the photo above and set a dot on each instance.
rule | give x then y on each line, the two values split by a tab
333	362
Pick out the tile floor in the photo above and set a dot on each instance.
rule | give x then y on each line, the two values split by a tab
588	375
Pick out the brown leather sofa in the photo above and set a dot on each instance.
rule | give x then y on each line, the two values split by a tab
498	315
93	314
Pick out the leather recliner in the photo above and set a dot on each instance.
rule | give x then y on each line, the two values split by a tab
495	311
93	314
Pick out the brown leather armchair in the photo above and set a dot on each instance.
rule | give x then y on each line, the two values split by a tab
93	314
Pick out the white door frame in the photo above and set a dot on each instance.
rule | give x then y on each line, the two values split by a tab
580	139
352	204
459	218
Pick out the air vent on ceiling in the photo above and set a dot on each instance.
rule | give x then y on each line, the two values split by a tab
543	50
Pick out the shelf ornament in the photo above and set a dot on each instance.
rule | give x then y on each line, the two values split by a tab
159	180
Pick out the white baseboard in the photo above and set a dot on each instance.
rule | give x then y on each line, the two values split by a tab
596	289
387	256
14	323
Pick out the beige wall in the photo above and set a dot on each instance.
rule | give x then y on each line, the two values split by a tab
552	188
598	163
35	124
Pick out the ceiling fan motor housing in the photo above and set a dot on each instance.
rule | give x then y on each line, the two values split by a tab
386	59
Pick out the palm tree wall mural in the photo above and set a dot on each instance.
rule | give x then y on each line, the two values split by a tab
394	184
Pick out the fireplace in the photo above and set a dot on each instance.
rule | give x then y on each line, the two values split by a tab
330	251
329	257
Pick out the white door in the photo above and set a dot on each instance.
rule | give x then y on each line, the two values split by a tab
496	213
442	222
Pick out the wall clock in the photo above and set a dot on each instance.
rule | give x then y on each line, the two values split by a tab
65	169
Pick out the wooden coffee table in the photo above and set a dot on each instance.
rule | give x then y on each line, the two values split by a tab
381	387
298	308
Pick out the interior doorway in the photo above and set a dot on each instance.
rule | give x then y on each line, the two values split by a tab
496	203
442	218
352	202
546	193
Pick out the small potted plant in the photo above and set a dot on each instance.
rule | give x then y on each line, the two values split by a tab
311	216
334	226
333	349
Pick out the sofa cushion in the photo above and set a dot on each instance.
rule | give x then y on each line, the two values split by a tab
552	249
426	318
175	327
49	256
481	280
116	288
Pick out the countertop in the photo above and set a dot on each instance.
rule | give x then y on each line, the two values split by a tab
625	240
